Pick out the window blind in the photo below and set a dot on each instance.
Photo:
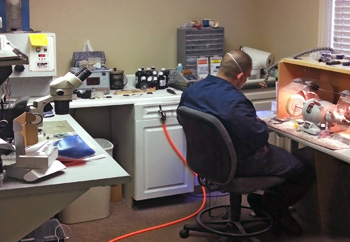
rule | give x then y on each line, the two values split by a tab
341	26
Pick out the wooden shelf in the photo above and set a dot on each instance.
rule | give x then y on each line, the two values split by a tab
331	79
317	65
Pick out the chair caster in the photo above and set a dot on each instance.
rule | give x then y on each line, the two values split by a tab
184	233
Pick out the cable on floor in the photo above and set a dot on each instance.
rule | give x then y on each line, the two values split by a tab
176	221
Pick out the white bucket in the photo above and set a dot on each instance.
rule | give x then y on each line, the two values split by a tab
92	205
106	145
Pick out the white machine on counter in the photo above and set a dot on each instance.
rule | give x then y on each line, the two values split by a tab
262	60
99	80
33	79
318	112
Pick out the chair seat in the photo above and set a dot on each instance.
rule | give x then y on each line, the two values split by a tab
246	185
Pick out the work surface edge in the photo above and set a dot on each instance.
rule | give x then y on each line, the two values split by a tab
102	172
116	100
341	154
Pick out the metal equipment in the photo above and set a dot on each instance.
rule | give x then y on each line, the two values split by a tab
306	102
99	80
33	79
318	112
14	15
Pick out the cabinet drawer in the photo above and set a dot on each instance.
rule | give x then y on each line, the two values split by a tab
151	111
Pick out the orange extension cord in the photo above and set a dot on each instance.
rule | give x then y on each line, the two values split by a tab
176	221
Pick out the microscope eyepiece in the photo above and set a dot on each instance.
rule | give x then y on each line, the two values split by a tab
82	74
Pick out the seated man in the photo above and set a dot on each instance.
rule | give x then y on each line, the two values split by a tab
220	96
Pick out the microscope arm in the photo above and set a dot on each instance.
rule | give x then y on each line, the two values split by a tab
38	108
61	92
39	104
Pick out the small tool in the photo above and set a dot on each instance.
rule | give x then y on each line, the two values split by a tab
171	91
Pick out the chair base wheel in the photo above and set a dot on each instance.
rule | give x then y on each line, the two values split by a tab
184	233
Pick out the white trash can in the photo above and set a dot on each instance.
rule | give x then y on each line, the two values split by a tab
106	145
93	204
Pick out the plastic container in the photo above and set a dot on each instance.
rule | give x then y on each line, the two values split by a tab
106	145
255	74
92	205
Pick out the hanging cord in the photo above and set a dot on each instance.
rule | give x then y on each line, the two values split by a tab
263	84
183	159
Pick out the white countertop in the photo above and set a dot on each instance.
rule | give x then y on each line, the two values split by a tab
157	96
100	172
341	150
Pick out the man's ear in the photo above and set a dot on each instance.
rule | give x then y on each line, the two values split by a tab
240	75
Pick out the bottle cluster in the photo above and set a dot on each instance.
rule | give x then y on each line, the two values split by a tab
151	78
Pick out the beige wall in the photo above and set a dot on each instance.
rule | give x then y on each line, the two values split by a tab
287	27
136	33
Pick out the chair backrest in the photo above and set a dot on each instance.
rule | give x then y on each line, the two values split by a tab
210	151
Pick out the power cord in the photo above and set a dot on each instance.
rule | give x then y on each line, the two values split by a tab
183	159
267	71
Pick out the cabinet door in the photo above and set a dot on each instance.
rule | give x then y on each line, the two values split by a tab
158	169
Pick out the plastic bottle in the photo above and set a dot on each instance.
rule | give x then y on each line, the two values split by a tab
148	72
166	74
327	130
155	82
154	79
143	83
323	133
150	81
179	67
154	71
138	76
162	82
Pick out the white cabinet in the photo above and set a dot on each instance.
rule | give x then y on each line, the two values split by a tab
143	150
134	127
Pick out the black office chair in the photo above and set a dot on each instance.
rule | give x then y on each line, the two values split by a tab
211	154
